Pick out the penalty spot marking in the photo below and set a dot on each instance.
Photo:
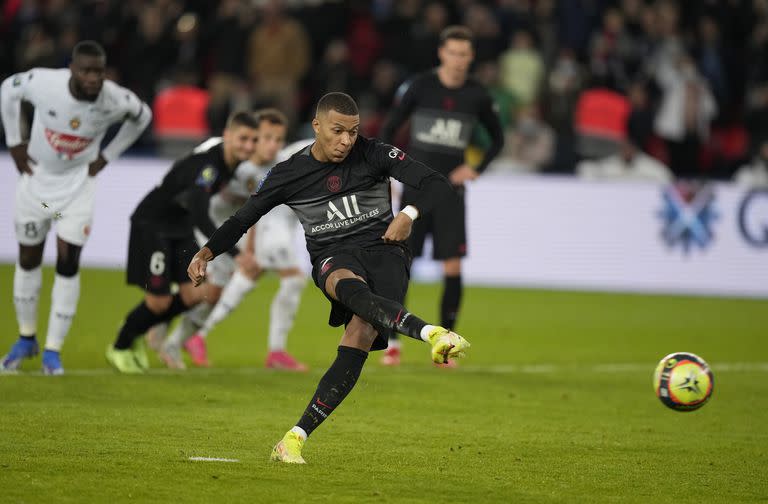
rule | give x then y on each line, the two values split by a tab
213	459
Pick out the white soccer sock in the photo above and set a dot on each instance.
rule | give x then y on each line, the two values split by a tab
285	304
301	432
237	287
64	297
26	293
198	313
425	332
189	323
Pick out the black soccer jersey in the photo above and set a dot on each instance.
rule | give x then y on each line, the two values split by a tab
342	205
181	200
443	119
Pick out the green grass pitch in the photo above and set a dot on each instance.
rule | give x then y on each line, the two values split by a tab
554	404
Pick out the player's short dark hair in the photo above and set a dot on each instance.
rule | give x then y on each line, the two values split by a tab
89	48
340	102
270	115
242	118
456	32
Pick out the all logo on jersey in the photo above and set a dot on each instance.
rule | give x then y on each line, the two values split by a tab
333	183
250	184
52	113
443	132
349	204
74	123
66	146
342	213
17	80
207	177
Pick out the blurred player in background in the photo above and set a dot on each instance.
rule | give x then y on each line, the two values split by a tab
339	188
74	107
272	242
162	239
444	106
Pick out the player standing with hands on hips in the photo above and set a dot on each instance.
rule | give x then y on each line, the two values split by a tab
339	189
74	107
444	105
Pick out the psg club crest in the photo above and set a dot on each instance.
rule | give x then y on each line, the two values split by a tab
334	183
74	123
688	216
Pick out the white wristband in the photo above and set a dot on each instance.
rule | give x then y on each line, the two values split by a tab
411	211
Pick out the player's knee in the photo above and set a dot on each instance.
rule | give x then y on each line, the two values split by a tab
452	267
30	257
158	304
68	258
349	290
191	295
67	267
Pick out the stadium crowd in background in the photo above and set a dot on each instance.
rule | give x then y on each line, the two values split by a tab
687	79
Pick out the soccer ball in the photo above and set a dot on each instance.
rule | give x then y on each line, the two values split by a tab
683	381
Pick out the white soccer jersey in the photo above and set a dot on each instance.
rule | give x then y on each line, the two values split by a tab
245	181
66	133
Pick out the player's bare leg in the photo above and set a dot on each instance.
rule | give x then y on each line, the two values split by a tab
27	281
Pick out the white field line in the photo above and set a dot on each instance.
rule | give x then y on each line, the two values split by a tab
607	368
212	459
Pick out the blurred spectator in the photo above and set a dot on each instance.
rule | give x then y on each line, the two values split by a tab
522	68
710	58
37	48
630	163
686	110
505	102
149	53
611	51
755	174
333	73
563	88
277	58
489	41
363	41
545	30
529	145
426	37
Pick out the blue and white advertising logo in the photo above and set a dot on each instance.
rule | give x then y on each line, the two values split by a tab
688	215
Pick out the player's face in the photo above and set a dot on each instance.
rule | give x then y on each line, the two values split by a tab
271	140
239	142
88	75
335	134
456	56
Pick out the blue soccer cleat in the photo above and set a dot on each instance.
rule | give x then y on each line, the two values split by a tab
52	363
24	348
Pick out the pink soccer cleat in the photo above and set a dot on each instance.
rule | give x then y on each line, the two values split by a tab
283	360
391	357
195	347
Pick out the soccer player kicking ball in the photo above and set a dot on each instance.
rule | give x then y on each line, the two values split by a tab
272	242
74	107
339	188
162	240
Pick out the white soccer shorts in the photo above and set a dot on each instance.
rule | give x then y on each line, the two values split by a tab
71	213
